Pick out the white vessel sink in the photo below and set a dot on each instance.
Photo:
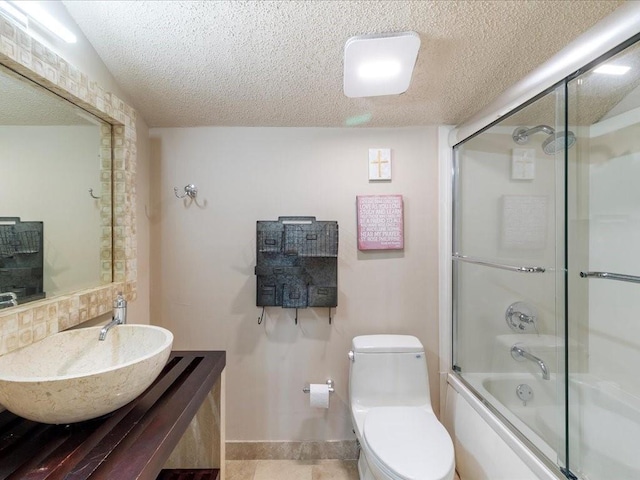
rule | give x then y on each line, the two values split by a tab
71	376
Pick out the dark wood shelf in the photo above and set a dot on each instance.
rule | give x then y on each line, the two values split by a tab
131	443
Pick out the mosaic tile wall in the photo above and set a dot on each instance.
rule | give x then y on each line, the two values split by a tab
22	325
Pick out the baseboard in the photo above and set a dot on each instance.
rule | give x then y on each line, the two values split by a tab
335	450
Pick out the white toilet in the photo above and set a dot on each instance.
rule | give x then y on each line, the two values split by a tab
400	437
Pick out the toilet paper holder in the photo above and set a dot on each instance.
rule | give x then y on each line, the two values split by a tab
307	389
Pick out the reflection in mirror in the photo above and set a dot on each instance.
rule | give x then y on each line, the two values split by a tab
51	229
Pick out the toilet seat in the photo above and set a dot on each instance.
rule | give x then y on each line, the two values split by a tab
408	443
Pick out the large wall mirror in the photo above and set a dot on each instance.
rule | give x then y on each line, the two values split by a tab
51	226
87	246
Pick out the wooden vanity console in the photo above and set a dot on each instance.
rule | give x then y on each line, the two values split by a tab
133	442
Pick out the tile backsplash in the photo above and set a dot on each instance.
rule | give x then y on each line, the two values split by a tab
23	325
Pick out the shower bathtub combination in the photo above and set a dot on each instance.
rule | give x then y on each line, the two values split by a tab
545	265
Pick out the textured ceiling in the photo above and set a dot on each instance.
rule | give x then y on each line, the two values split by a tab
279	63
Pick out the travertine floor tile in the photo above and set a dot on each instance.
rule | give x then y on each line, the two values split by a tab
283	470
241	469
335	470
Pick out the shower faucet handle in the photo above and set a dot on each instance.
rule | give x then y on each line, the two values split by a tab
524	318
521	316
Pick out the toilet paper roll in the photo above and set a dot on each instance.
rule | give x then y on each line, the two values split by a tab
319	395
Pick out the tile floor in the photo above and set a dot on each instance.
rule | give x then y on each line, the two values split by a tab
293	470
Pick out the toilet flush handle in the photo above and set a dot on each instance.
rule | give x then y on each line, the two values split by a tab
351	356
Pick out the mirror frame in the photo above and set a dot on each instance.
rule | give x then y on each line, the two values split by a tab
25	324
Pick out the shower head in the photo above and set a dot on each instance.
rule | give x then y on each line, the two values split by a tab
556	143
553	144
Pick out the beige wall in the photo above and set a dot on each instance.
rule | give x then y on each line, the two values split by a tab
203	258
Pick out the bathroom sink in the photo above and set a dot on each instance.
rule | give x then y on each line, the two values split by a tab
71	376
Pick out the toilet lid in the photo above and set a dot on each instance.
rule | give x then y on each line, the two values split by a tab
409	441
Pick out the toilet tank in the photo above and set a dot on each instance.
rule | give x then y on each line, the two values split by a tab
388	370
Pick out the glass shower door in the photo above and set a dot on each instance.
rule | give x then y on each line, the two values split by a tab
603	270
508	269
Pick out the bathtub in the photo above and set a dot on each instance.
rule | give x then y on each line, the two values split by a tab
604	421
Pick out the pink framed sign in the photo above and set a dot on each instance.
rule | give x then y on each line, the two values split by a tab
380	222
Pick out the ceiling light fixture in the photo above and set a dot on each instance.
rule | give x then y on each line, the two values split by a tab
609	69
380	69
379	64
37	13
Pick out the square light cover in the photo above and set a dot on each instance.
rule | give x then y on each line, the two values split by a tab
379	64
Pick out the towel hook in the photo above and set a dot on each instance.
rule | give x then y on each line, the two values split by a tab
190	191
92	195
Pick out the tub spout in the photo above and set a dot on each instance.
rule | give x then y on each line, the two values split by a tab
518	353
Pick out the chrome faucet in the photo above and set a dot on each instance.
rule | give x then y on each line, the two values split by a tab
119	316
517	352
520	316
8	299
